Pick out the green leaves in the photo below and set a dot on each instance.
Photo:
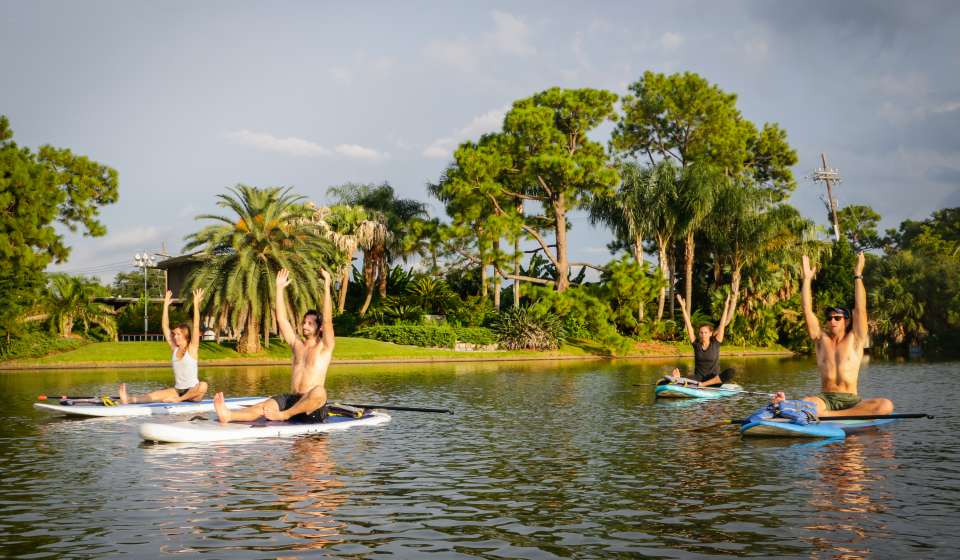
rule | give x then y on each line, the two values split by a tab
268	229
37	190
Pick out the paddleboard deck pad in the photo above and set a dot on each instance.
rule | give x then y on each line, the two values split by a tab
90	407
778	427
683	392
211	430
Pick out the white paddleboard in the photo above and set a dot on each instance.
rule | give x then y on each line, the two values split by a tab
145	409
212	430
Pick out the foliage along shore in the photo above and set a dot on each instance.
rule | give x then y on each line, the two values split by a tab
348	350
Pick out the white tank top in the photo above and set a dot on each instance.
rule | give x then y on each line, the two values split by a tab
185	370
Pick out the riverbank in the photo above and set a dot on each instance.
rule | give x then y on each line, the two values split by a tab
349	350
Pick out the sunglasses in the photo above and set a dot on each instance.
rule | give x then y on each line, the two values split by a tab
836	318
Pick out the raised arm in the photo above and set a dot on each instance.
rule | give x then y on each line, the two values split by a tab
686	319
286	330
328	338
194	347
859	301
724	319
165	321
806	296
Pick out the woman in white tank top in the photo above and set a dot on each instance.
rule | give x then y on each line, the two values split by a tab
185	343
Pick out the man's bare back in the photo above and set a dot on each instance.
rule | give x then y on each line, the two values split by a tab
839	348
311	358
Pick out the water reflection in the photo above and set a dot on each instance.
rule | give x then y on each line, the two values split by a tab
541	460
312	495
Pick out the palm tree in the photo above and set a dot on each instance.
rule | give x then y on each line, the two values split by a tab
270	229
348	228
696	196
71	299
396	215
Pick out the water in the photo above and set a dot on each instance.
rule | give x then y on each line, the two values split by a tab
541	460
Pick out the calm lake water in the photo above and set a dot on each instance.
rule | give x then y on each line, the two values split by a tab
541	460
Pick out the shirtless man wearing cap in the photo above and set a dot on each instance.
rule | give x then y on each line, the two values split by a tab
839	351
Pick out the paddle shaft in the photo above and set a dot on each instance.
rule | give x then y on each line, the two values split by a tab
66	398
406	408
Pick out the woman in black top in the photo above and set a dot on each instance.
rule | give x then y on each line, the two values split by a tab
706	348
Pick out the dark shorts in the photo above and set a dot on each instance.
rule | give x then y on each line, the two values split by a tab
839	401
725	375
182	392
287	400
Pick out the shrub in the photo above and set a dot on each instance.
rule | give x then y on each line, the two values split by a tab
474	311
523	329
33	344
481	336
412	335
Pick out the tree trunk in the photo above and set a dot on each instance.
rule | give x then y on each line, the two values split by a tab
496	278
688	270
344	284
563	268
249	342
384	267
664	273
369	277
638	250
516	271
483	276
266	330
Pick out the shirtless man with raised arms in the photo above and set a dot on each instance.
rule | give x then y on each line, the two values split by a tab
311	357
839	351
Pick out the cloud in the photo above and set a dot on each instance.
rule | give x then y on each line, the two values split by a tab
488	122
671	41
360	152
948	107
511	35
341	76
133	237
290	146
298	147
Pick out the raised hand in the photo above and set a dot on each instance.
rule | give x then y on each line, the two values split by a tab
808	271
325	275
683	304
167	298
283	279
858	268
197	296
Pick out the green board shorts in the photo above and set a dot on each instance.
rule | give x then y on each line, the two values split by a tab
840	401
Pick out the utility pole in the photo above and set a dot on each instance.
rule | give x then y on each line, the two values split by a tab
829	176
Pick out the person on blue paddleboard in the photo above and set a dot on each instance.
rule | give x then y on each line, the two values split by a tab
307	399
839	350
706	347
184	341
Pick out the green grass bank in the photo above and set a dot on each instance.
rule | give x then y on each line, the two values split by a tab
348	350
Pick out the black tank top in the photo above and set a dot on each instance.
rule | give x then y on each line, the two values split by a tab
706	363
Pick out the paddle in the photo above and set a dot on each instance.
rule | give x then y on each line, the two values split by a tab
66	398
731	421
406	408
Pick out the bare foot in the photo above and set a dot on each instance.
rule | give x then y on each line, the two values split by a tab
778	397
124	399
223	413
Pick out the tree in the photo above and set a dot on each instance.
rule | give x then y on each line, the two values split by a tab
555	164
269	229
71	299
397	215
130	284
348	228
859	224
470	189
682	118
37	192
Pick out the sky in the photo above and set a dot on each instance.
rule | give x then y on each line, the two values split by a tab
186	99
